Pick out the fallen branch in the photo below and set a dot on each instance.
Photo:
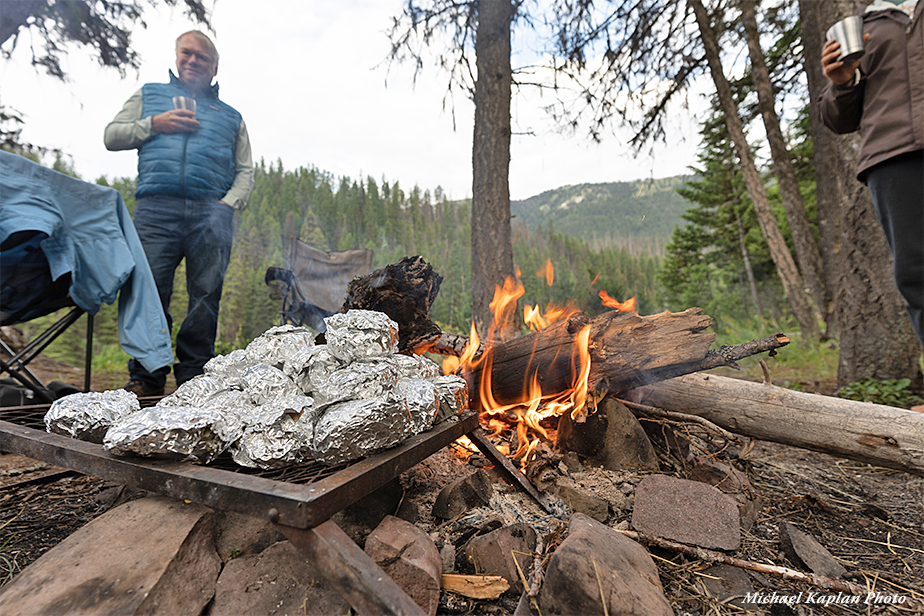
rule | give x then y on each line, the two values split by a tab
710	427
819	581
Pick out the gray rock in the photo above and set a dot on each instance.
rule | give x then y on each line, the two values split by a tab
239	535
279	581
686	511
493	553
581	501
149	556
462	495
728	584
594	556
410	558
611	437
805	552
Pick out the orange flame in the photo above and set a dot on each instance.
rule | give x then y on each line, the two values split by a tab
527	412
609	302
547	272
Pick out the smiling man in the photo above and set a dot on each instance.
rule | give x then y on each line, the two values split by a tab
194	170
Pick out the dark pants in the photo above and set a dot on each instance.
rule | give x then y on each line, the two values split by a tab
897	189
172	229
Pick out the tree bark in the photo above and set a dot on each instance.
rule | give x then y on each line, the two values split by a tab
492	246
876	339
807	252
793	284
870	433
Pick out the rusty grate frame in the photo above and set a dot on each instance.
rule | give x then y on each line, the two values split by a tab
300	496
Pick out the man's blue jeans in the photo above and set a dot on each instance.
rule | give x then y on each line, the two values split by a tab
897	189
201	231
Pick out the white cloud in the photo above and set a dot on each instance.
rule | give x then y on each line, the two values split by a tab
310	81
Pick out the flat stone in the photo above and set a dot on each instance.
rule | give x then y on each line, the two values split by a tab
805	552
279	581
734	483
611	438
150	556
581	501
686	511
358	519
240	535
595	563
727	584
462	495
410	558
493	553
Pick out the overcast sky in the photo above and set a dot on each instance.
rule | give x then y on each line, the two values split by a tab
309	78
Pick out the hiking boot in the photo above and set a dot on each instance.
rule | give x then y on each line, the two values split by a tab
142	389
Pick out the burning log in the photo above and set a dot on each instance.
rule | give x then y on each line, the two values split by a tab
625	350
870	433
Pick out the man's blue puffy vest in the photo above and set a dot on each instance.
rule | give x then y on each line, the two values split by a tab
197	165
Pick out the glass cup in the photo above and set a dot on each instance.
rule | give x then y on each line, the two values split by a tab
184	102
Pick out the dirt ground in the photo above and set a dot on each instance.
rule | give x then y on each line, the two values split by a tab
870	519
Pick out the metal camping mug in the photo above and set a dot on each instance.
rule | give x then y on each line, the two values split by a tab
849	33
184	102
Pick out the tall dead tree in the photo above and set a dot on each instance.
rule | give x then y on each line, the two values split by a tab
492	246
876	339
807	252
793	285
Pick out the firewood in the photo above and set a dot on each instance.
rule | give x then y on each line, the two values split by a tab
870	433
626	351
475	586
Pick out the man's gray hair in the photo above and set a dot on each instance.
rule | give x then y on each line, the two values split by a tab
202	37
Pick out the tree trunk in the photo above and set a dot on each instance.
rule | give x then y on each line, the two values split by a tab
871	433
746	258
807	251
786	269
876	339
492	246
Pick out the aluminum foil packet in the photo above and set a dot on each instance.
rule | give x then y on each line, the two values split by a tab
357	381
265	383
195	391
356	428
361	334
87	416
278	434
416	367
453	395
278	343
422	404
190	433
228	367
309	368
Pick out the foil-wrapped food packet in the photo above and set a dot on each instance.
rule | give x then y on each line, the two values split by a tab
350	430
228	367
359	380
452	391
415	367
278	343
87	416
422	404
361	334
277	434
309	368
190	433
194	391
265	383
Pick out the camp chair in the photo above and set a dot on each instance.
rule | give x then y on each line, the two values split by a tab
66	243
316	285
28	292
